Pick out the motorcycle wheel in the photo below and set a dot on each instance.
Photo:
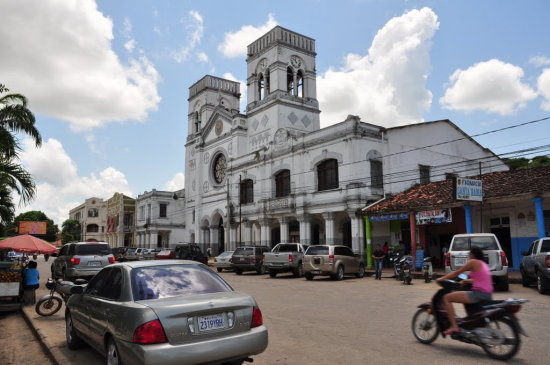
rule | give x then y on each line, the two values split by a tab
509	333
408	280
424	326
426	277
48	306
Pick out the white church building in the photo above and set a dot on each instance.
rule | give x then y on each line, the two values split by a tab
273	175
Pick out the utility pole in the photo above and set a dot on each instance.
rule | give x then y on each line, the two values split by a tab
481	205
240	215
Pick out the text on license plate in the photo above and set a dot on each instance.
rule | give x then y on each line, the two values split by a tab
94	263
460	261
210	323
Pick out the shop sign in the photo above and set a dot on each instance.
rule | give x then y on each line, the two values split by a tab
468	189
434	217
389	217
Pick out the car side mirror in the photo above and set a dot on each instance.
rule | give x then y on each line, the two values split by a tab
77	289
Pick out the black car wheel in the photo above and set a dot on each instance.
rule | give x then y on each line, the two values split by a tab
309	276
525	279
113	356
220	269
272	273
74	342
543	284
339	273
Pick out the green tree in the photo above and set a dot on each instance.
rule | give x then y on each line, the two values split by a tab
35	216
70	231
522	162
15	118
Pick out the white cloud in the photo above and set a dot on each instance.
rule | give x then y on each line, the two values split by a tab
59	187
127	28
234	44
543	84
130	45
203	57
59	54
194	26
539	61
387	85
243	89
177	182
493	86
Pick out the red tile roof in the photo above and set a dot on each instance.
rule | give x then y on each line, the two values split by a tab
531	182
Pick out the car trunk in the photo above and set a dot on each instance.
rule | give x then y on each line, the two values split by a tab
200	317
491	258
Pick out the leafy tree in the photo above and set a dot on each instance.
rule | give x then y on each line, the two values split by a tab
15	118
35	216
522	162
71	231
540	161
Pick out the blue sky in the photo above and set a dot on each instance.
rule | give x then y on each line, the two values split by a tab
108	80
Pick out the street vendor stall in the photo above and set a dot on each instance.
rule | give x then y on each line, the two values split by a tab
11	286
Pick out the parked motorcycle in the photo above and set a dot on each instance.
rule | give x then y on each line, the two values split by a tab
406	265
51	304
492	324
427	269
395	260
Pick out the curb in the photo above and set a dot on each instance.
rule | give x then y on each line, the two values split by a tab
42	339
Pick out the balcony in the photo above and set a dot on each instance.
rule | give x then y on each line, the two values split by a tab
284	203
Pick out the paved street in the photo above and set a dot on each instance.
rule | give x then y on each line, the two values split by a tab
356	321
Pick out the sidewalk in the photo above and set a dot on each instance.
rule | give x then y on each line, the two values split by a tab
514	277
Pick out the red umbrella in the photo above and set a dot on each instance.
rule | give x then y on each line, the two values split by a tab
27	243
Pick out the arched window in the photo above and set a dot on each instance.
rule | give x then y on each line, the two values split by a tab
282	184
247	191
327	175
92	228
197	122
376	176
300	84
261	89
290	81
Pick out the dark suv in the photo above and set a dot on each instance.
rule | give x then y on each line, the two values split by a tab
249	258
81	260
190	251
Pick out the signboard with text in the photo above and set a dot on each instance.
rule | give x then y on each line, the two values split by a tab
434	217
468	189
27	227
389	217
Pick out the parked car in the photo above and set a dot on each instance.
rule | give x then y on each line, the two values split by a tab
165	254
149	254
535	265
164	312
119	253
223	261
494	256
335	261
81	260
285	257
133	253
249	258
190	251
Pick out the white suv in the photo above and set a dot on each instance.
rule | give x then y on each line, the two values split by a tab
494	256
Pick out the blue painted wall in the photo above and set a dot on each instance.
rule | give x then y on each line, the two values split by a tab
520	244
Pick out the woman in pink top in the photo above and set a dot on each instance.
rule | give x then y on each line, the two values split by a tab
482	286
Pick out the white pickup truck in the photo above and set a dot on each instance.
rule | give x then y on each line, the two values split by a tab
285	257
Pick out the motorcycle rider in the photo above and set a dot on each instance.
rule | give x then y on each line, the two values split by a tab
482	286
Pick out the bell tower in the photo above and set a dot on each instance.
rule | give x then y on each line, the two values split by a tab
281	84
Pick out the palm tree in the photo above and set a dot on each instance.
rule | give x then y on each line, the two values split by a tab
15	117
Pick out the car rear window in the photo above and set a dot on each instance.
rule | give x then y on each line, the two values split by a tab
165	281
93	249
287	248
244	251
317	250
483	242
545	246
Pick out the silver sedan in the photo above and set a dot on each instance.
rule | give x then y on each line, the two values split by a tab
223	261
164	312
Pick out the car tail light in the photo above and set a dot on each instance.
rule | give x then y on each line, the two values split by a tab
330	259
257	319
112	260
448	259
290	258
75	260
263	258
548	261
503	258
150	332
254	259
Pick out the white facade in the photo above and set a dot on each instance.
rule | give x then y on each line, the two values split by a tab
92	216
332	173
159	219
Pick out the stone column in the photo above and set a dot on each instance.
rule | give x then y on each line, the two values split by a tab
154	239
329	227
356	233
265	232
540	216
214	231
305	229
468	218
232	239
285	238
248	233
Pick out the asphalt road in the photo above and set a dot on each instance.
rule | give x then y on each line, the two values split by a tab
354	321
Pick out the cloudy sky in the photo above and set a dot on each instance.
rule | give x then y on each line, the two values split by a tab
108	80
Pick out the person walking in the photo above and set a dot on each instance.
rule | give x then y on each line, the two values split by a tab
378	255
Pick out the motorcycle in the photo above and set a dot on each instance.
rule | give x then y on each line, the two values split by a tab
406	264
491	324
51	304
427	269
396	265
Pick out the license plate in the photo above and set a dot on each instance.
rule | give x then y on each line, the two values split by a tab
460	261
316	272
406	271
241	259
211	323
94	263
